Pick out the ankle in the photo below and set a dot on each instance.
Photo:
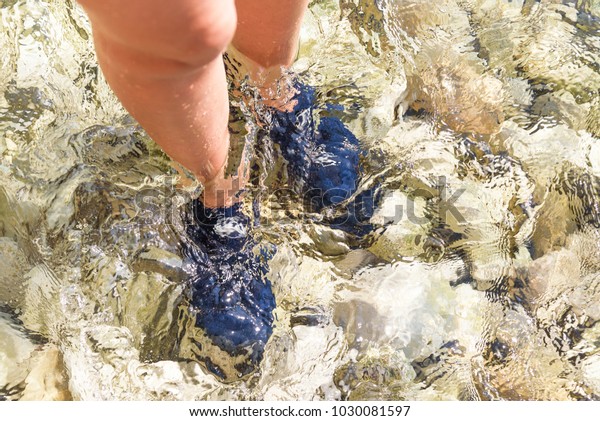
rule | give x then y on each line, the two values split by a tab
226	190
273	84
223	193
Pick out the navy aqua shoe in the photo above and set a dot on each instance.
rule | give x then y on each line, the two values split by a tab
323	161
231	299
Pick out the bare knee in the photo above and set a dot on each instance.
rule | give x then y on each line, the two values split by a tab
208	35
189	33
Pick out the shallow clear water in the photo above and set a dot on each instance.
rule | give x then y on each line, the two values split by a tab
480	276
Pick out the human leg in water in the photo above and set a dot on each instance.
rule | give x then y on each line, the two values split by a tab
323	159
166	67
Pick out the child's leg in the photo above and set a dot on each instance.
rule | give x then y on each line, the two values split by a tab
164	63
267	37
268	30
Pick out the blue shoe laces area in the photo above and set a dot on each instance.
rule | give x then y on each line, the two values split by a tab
232	299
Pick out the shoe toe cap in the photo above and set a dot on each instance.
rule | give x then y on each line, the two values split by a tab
237	316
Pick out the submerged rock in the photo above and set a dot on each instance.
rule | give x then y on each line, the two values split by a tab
405	227
15	351
47	380
551	275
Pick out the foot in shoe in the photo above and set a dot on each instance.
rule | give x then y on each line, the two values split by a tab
230	295
323	161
